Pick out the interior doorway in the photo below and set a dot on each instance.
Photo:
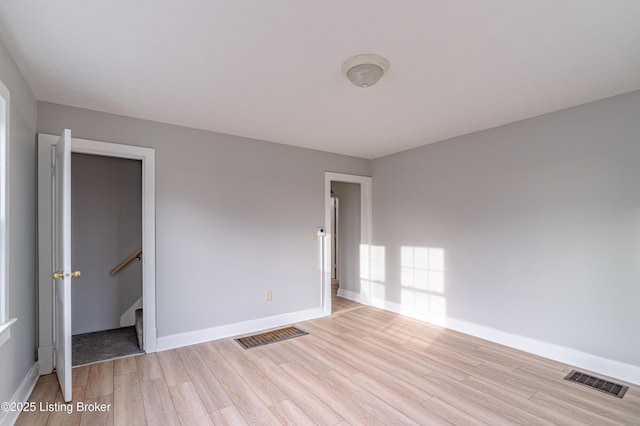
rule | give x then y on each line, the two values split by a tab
347	244
335	213
346	238
145	160
106	241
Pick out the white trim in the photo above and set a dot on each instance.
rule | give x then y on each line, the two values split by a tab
365	235
407	311
573	357
85	146
148	158
5	330
45	257
5	138
349	295
236	329
21	395
609	367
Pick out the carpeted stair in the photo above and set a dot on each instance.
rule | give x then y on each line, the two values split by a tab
139	329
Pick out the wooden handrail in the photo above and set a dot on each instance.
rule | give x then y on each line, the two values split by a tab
126	262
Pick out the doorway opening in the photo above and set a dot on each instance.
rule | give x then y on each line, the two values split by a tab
143	160
346	260
345	245
106	241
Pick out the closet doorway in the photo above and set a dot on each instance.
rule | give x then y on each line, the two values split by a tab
106	241
144	160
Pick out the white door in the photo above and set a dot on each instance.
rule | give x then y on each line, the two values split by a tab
62	262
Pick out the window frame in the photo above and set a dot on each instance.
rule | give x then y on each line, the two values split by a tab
5	107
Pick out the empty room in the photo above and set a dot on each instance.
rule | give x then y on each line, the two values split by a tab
291	212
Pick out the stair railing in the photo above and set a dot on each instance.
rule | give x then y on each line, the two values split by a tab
125	262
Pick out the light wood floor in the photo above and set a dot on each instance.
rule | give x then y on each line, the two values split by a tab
361	366
339	304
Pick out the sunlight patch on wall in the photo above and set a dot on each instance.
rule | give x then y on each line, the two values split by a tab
372	272
422	283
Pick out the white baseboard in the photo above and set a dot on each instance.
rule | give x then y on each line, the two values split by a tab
407	311
616	369
573	357
350	295
8	418
229	330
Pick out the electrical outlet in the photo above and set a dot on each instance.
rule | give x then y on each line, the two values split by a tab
268	295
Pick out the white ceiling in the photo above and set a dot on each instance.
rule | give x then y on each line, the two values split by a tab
271	69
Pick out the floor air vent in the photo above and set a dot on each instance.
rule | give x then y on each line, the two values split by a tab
270	337
597	383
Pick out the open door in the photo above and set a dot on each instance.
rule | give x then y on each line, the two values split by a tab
62	262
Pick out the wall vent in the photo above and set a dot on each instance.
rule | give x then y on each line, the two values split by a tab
597	383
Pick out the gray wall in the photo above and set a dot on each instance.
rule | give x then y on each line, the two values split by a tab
106	214
18	354
349	234
234	217
539	222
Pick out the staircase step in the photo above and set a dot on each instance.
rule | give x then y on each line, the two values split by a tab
139	329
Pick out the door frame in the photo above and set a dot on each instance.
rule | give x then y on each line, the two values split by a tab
334	237
45	241
365	237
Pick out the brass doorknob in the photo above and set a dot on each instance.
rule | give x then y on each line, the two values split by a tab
74	274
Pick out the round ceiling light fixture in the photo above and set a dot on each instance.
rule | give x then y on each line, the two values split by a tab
365	70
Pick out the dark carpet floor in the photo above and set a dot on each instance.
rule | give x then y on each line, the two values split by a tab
103	345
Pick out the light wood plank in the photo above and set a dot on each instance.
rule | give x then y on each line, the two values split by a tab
80	376
317	348
189	406
259	383
479	410
583	397
244	398
70	417
308	402
290	414
228	416
172	368
578	415
506	379
98	417
488	400
125	365
100	380
334	397
127	400
515	400
158	405
207	385
404	401
374	404
148	367
458	417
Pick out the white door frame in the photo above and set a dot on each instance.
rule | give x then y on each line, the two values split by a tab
335	228
365	237
45	267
